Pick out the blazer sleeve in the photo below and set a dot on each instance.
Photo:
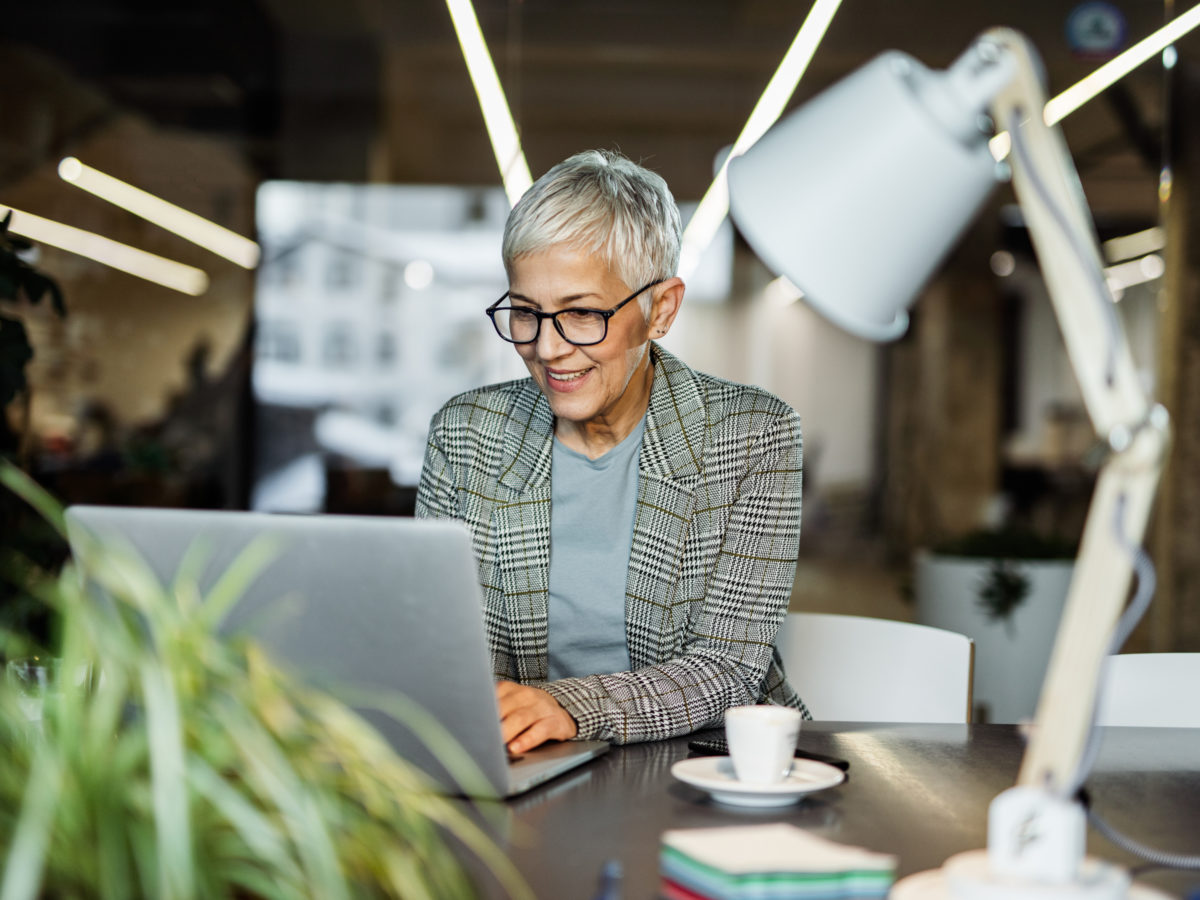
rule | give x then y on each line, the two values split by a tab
436	491
728	643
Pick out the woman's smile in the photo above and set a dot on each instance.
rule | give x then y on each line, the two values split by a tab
567	380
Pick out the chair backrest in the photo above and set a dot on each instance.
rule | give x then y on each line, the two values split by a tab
1155	690
858	669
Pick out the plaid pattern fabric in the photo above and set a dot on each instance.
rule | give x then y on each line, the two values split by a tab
715	540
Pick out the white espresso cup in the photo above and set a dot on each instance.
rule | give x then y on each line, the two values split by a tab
762	740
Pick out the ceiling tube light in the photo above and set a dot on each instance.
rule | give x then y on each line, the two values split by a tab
1058	108
1135	271
187	225
782	292
167	272
1138	244
1119	66
497	117
714	206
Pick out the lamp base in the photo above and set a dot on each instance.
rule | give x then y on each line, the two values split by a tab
967	876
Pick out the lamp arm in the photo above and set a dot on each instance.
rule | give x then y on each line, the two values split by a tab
1136	431
1099	587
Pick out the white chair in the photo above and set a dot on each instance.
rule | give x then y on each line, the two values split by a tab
1155	690
858	669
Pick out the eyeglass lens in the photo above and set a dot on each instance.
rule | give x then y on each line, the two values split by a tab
579	326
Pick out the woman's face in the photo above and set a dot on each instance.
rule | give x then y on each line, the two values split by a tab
604	386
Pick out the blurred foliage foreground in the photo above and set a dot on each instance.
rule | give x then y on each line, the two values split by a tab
164	761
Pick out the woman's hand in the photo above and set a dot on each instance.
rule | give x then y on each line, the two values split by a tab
529	716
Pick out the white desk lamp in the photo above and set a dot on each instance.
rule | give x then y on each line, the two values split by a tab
856	198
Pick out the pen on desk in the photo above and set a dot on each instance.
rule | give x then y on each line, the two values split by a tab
610	881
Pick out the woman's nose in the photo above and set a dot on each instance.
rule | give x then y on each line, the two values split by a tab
551	344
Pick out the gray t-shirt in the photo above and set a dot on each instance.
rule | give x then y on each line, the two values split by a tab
591	530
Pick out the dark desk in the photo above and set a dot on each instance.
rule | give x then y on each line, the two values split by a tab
919	791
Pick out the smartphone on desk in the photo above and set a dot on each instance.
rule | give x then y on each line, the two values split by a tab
713	744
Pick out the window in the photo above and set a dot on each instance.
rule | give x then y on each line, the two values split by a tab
278	340
341	271
389	284
284	270
338	347
385	349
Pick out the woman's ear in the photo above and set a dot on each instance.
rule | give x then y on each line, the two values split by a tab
668	297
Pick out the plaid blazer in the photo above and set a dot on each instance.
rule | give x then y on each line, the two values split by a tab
715	540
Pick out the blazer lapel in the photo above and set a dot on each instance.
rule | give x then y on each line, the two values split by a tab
521	524
668	473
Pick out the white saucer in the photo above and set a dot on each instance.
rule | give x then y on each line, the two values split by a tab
714	774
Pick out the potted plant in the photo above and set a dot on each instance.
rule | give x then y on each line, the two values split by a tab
1005	589
166	761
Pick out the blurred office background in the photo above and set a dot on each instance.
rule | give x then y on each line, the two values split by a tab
346	138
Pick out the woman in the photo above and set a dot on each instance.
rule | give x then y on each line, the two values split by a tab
636	523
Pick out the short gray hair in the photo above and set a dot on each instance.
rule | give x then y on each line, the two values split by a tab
600	202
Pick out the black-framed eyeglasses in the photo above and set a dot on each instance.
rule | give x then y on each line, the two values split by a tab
578	326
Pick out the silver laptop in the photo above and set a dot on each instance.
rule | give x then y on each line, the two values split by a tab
389	606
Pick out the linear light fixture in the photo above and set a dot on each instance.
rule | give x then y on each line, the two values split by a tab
501	129
1061	106
1138	244
167	272
1119	66
782	292
1132	272
187	225
714	206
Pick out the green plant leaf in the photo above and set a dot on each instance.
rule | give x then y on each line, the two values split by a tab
269	772
167	774
26	859
33	494
432	733
1003	590
262	837
236	579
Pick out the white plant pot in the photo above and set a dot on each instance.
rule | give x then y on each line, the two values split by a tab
1011	655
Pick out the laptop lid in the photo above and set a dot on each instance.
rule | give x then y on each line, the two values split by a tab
389	606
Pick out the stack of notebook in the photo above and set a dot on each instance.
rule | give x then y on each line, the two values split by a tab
768	862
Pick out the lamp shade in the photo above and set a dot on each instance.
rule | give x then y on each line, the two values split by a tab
859	195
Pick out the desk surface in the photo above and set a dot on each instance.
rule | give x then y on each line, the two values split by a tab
919	791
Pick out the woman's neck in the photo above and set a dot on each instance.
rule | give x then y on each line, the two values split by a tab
598	435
